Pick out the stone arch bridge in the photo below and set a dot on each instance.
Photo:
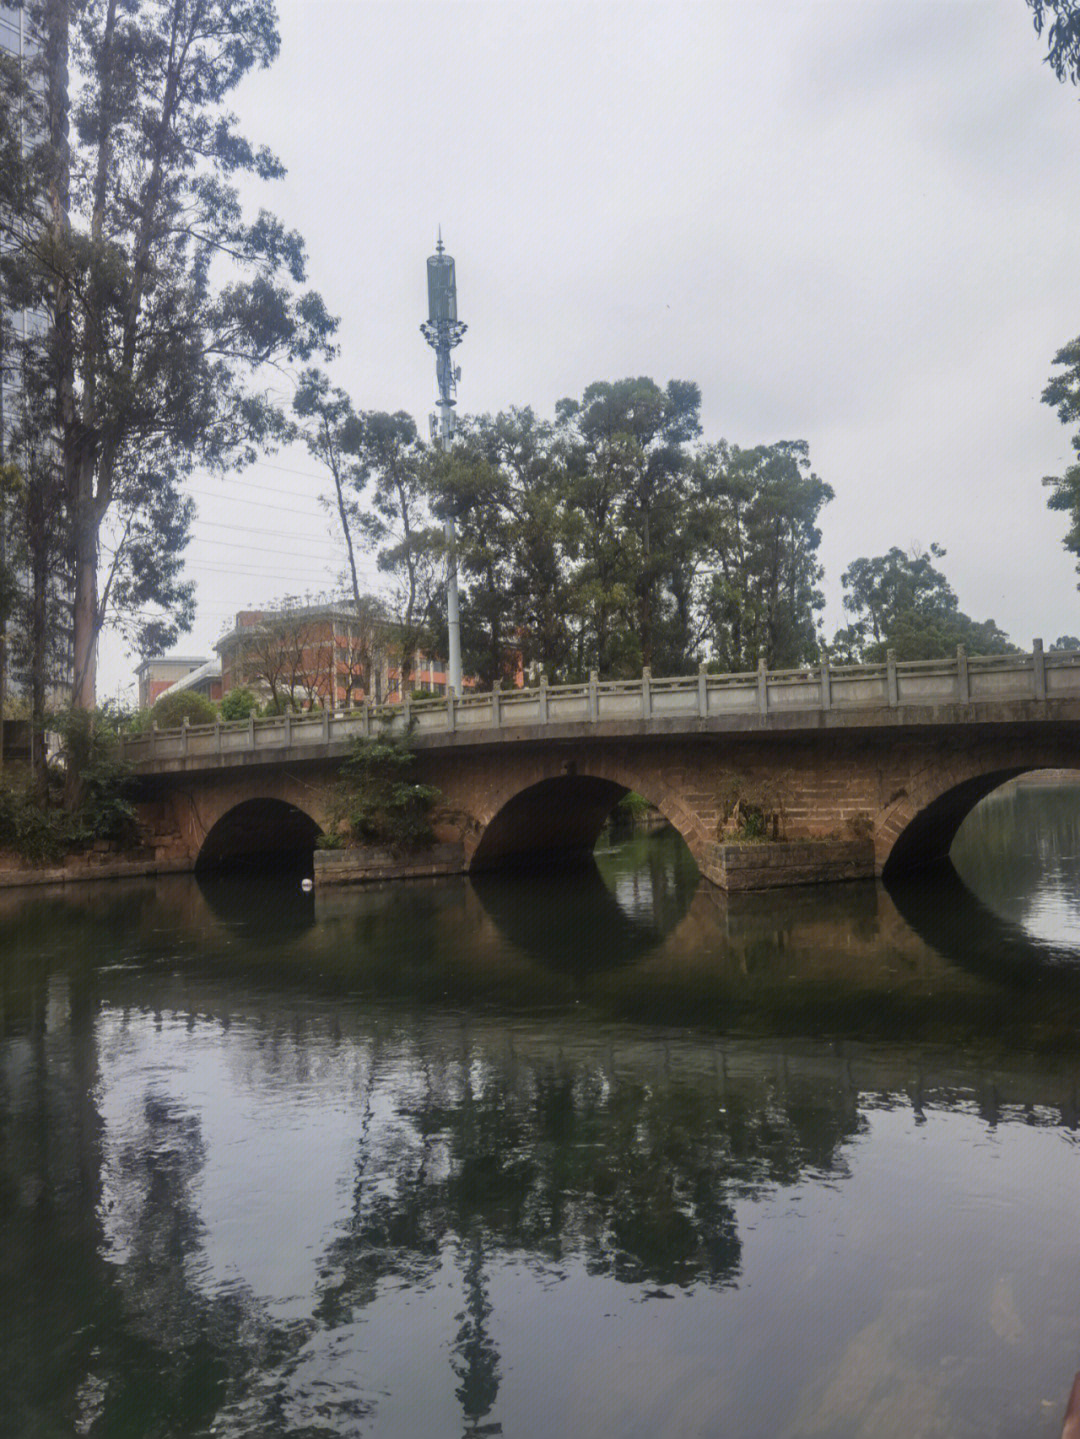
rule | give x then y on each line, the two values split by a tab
885	761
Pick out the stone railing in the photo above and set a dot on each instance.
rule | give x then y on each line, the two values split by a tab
962	680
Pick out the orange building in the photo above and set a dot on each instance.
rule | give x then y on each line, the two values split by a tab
158	675
319	654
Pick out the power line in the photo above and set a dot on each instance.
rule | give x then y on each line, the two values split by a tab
258	530
238	500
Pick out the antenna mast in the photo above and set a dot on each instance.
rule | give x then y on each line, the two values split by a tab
443	331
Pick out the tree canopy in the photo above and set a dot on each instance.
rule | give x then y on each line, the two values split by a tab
162	301
1060	20
901	601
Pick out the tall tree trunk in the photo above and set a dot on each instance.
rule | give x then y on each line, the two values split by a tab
85	618
39	645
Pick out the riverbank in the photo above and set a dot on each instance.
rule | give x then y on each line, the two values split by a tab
87	865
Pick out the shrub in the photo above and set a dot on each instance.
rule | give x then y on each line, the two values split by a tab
283	705
239	704
176	706
375	801
40	833
633	806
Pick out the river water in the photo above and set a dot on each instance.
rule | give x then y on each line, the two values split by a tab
594	1153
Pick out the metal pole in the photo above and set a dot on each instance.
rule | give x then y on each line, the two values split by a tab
443	331
453	613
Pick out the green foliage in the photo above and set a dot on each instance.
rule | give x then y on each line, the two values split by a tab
238	704
176	706
1062	35
138	722
163	299
751	807
1067	642
1063	392
757	511
40	833
904	603
375	801
633	806
33	821
281	704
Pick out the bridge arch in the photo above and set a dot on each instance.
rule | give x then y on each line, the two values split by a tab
918	830
259	833
559	813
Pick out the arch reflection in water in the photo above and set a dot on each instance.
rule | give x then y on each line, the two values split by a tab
270	909
1020	851
613	905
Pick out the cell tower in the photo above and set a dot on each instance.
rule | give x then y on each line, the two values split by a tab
443	330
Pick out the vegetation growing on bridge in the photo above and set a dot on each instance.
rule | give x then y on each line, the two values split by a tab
377	801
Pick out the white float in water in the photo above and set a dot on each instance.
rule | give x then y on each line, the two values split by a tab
307	885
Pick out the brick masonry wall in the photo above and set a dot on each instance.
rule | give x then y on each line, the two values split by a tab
899	790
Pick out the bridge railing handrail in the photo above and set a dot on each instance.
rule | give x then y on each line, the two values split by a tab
959	679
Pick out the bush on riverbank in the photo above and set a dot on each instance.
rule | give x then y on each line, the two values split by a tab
35	822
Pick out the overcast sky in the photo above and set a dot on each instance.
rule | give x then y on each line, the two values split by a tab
849	223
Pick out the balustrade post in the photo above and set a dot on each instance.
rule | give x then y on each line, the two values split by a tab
542	700
1038	669
963	680
153	741
826	686
451	712
592	699
365	719
496	703
217	735
763	686
646	692
406	711
183	736
702	691
326	726
288	729
891	684
251	731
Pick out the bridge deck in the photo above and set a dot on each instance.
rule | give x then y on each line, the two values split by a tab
963	690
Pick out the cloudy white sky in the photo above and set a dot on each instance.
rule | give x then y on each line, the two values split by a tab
849	223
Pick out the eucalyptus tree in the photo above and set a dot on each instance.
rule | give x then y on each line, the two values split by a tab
760	587
506	487
901	601
400	525
333	433
628	472
164	303
1060	19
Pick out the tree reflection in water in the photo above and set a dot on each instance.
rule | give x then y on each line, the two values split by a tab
164	1050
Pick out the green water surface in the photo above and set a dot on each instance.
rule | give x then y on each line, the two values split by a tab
594	1153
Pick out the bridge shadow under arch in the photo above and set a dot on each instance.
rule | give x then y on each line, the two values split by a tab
924	844
552	822
260	836
951	919
934	897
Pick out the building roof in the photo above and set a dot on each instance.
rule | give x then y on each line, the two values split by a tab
170	660
329	609
209	669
